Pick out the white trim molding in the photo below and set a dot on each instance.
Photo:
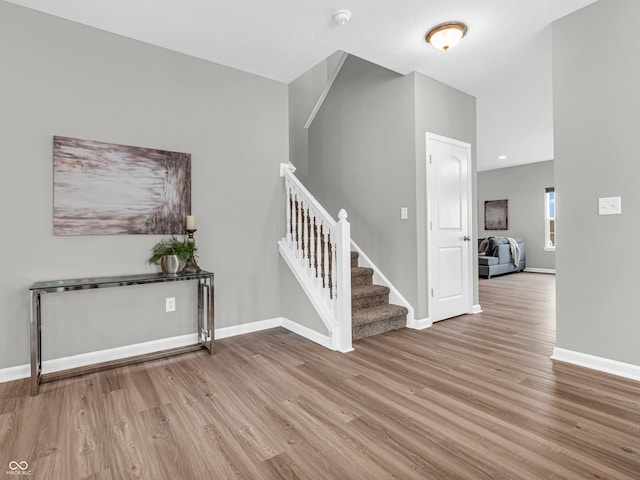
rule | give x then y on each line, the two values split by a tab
316	337
15	373
100	356
117	353
83	359
476	309
601	364
326	90
306	332
419	323
540	270
245	328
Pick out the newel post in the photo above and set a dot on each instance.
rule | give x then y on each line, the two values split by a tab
342	337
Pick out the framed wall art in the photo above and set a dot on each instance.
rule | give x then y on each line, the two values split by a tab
496	215
109	189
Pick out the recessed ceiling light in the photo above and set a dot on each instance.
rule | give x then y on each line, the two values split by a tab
446	35
502	157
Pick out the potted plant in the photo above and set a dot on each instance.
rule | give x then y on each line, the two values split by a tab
172	254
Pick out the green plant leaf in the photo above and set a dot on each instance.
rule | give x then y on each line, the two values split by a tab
172	246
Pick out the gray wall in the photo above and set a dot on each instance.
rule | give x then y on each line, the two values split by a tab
524	187
367	155
61	78
295	304
361	158
596	105
304	93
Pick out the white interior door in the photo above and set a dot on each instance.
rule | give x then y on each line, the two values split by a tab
449	227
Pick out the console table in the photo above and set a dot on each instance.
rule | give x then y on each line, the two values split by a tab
204	299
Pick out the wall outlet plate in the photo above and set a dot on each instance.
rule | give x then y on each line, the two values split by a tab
170	304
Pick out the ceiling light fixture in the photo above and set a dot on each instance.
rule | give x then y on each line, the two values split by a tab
341	16
446	35
502	157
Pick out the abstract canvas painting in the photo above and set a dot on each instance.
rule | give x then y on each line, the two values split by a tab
496	215
108	189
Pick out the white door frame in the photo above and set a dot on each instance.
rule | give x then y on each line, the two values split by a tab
459	143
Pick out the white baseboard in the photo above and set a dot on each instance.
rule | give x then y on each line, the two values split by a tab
15	373
91	358
248	328
290	325
426	323
419	323
601	364
83	359
316	337
540	270
117	353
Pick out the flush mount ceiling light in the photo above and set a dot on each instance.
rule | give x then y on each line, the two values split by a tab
446	35
341	16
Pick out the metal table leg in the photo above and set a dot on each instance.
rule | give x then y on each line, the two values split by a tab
205	329
36	341
210	311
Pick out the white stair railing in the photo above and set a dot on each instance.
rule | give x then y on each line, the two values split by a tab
318	250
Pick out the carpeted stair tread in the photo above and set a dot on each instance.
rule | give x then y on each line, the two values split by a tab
363	316
354	259
364	296
361	276
362	291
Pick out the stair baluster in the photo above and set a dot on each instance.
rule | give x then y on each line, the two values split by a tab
312	245
289	201
325	265
333	270
305	236
318	251
298	227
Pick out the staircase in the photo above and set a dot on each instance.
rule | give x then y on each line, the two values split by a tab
325	261
371	312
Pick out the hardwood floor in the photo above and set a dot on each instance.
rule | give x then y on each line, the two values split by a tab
474	397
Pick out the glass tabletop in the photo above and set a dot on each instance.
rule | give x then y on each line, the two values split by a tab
114	281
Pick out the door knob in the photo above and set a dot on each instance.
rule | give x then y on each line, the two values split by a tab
466	238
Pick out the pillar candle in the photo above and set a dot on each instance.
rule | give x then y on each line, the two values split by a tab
191	222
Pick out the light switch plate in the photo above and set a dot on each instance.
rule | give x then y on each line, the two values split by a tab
609	206
404	213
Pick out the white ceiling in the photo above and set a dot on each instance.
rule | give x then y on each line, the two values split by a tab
505	60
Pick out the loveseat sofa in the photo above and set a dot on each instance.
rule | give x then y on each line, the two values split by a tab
495	256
